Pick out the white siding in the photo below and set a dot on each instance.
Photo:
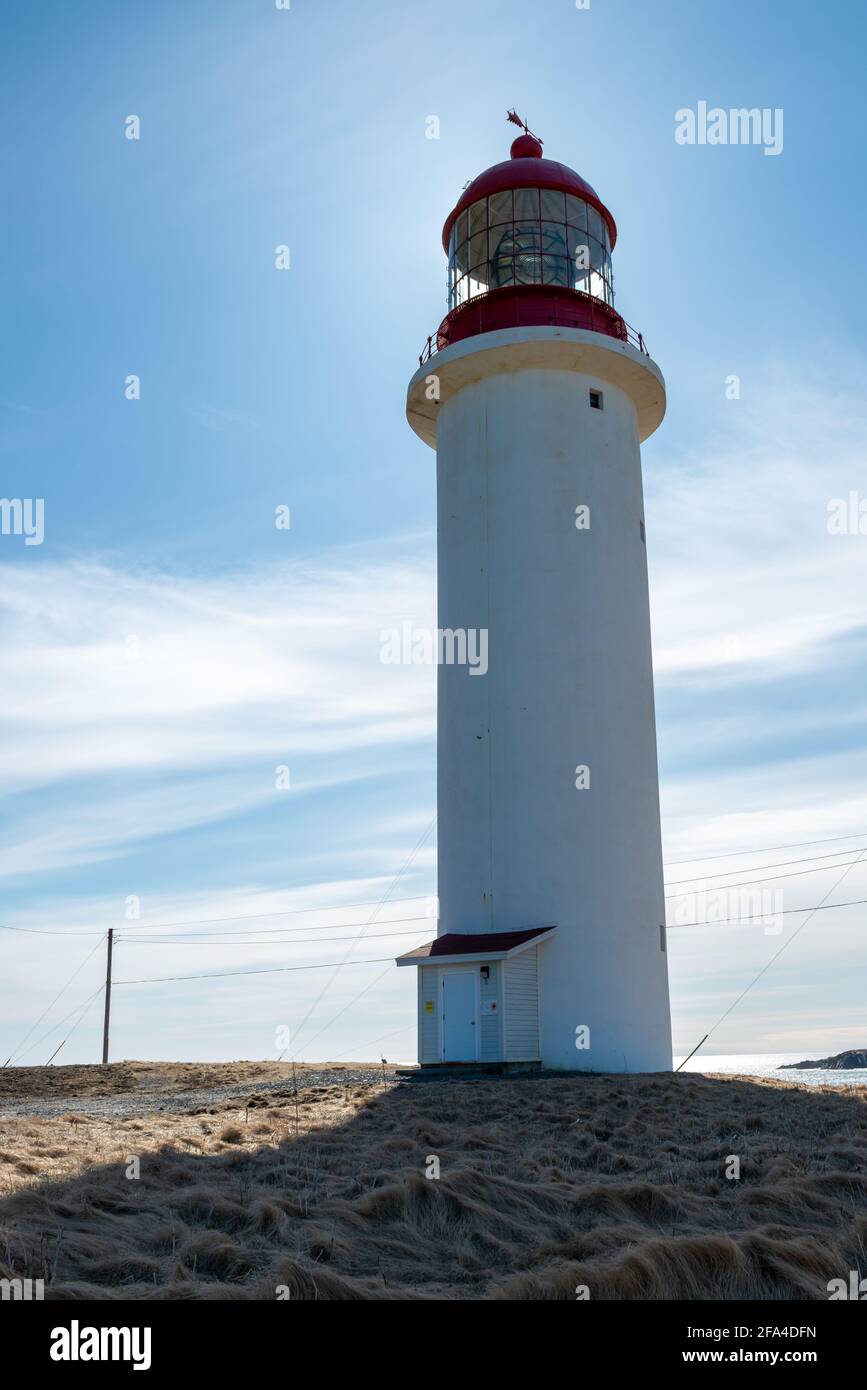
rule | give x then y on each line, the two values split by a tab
521	1004
428	1023
490	1023
575	607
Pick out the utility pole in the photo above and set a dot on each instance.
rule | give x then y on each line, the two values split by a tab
107	995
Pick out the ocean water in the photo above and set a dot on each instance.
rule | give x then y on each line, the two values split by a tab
768	1064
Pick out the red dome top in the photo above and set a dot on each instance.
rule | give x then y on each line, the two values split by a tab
526	146
527	169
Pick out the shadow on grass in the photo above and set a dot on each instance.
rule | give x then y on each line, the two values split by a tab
615	1183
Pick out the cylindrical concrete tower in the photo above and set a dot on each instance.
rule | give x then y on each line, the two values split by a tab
536	395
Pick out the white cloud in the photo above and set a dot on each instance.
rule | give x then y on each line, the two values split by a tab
745	577
115	676
114	671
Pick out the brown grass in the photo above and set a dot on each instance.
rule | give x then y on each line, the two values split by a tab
617	1183
122	1078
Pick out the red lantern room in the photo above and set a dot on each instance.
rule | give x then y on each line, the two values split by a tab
529	243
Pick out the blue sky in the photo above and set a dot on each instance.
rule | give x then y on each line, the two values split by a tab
167	647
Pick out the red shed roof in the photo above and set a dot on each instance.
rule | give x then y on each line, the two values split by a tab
527	171
498	943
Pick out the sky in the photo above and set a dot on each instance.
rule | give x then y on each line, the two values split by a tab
197	732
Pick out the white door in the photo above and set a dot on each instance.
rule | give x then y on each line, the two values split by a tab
459	1016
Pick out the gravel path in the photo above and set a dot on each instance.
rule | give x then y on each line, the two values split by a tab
143	1103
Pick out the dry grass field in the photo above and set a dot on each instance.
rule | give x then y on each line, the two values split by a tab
616	1183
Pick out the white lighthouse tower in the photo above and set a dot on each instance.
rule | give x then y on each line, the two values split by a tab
551	945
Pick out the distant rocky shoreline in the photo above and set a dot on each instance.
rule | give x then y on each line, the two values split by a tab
844	1061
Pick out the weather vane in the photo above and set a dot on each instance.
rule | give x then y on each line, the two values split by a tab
516	120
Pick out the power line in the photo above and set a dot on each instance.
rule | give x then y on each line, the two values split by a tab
38	931
765	968
288	912
398	876
304	940
243	917
241	936
756	916
151	930
410	1028
16	1050
53	1030
418	897
763	849
82	1016
351	1003
774	878
327	926
230	974
754	868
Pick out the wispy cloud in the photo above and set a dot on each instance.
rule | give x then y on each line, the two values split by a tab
199	686
111	669
137	702
223	421
746	579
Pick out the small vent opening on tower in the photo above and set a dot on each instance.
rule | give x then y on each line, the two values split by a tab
596	400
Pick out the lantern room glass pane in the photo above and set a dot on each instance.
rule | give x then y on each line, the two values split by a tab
502	244
478	217
576	239
500	208
462	255
554	239
556	271
576	212
478	249
553	205
528	253
579	257
594	223
502	272
478	281
526	204
528	268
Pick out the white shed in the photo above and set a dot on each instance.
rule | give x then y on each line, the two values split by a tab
478	997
